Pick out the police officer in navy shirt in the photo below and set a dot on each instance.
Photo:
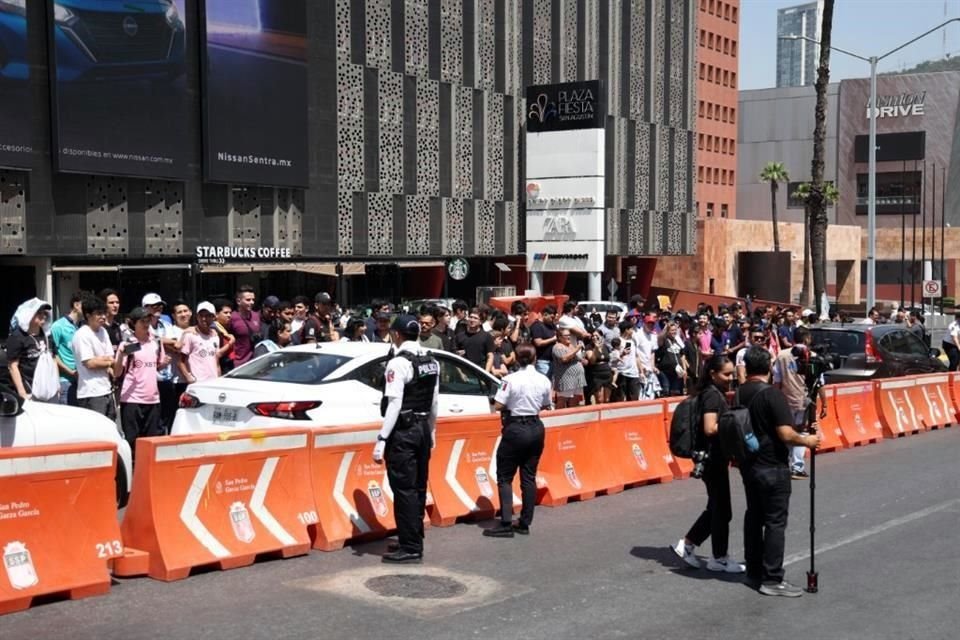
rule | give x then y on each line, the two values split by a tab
407	435
521	397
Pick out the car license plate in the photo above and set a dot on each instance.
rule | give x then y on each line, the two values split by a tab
224	415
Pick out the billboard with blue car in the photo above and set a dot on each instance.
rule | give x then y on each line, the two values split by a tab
255	98
118	70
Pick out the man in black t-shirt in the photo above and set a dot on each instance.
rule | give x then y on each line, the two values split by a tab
766	478
474	343
544	335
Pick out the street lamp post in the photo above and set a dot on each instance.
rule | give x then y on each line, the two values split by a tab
872	112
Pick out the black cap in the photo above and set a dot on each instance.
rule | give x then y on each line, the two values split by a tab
271	302
406	325
322	298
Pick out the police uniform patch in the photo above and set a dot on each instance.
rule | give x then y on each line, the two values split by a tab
503	387
390	375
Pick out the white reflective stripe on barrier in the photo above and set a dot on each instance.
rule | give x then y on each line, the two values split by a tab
260	510
898	384
849	391
346	438
188	512
187	451
57	462
451	476
629	412
934	380
569	420
341	499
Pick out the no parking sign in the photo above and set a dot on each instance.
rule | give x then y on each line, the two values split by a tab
932	289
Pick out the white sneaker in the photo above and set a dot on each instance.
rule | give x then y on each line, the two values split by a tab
686	553
725	564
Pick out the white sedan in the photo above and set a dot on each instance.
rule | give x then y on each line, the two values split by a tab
325	384
30	423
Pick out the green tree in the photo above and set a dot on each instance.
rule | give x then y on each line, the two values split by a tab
802	192
816	204
774	173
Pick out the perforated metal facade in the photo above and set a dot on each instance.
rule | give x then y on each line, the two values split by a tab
416	134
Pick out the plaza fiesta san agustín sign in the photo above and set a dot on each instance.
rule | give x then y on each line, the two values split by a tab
565	106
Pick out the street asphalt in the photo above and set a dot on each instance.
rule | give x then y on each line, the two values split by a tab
889	563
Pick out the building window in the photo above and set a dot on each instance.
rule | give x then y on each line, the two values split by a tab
726	12
712	7
733	115
709	209
724	211
716	176
732	177
897	192
726	46
733	79
733	48
702	70
703	5
733	15
700	174
709	73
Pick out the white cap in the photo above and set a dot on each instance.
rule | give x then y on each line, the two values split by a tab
206	306
151	298
806	312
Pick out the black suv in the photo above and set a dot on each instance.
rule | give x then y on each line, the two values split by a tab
865	352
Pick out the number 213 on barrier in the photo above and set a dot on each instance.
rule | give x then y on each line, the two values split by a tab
109	548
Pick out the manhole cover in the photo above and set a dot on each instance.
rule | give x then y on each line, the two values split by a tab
419	587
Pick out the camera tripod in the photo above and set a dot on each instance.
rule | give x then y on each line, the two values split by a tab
813	392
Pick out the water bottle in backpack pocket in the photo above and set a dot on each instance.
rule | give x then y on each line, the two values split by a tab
738	440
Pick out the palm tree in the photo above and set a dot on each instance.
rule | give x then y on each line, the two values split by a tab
802	193
774	173
817	200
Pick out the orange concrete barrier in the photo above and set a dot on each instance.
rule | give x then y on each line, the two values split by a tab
830	426
856	414
463	470
219	499
931	397
630	437
572	466
895	407
954	387
58	522
681	467
351	491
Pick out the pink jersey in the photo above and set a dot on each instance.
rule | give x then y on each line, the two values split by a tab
140	380
201	352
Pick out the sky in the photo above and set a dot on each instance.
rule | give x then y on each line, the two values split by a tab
864	27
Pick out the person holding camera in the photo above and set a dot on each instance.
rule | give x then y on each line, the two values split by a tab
136	365
712	467
598	371
789	376
319	327
245	326
568	375
766	478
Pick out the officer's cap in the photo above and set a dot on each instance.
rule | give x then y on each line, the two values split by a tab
406	325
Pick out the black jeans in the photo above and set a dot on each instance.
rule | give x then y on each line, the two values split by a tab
169	400
629	387
140	420
765	522
714	522
408	457
953	354
520	447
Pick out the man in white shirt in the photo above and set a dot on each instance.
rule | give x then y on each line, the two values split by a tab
94	355
570	321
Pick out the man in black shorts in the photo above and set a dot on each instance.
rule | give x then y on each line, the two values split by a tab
766	478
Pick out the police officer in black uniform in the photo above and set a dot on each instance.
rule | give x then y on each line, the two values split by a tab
407	435
521	397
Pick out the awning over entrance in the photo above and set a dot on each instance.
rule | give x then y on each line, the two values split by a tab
315	268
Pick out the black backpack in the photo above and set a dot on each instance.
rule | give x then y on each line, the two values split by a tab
685	428
738	440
